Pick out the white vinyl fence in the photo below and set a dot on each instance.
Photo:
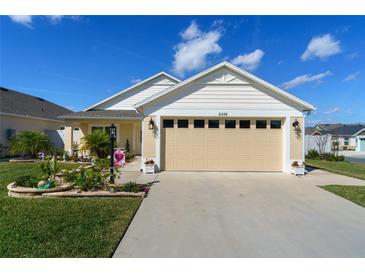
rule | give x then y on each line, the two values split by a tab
57	137
310	142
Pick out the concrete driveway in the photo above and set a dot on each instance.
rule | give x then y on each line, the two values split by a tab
224	214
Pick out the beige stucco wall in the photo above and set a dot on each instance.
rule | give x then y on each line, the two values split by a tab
21	124
125	130
149	136
296	140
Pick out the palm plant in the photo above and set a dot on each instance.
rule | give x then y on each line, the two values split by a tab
98	143
30	142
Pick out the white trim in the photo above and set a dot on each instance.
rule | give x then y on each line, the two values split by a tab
30	117
286	146
142	152
162	73
246	74
104	118
158	142
361	130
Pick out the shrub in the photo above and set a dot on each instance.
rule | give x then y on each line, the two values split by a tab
70	177
26	181
133	187
129	156
102	164
332	157
98	143
50	168
312	154
74	158
30	142
127	147
90	179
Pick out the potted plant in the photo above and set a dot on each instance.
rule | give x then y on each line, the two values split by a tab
297	168
149	166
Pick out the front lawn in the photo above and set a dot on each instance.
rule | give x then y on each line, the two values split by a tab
343	168
354	194
59	227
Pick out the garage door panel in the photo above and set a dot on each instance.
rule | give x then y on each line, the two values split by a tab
222	148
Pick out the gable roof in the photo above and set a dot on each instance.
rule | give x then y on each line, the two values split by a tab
305	105
162	73
327	127
346	130
20	104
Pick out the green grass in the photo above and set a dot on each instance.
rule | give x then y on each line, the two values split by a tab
343	168
354	194
59	227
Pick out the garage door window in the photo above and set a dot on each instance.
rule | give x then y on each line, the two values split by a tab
182	123
213	124
169	123
275	124
260	123
199	123
244	123
230	123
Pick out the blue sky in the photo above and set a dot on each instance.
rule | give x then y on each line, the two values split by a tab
76	61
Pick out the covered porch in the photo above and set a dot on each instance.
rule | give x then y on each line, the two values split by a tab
127	122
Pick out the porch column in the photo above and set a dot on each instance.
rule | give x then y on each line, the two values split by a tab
68	139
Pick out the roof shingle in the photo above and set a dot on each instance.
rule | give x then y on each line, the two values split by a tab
103	114
17	103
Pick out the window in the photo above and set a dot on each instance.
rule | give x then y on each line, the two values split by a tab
93	129
346	143
182	123
230	123
62	128
107	130
76	128
275	124
260	123
199	123
213	123
168	123
244	123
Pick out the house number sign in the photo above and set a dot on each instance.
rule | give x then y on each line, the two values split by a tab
223	114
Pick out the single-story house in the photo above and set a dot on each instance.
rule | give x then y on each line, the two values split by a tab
349	136
20	111
221	119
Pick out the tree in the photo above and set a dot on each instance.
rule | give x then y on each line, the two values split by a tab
321	141
30	142
98	143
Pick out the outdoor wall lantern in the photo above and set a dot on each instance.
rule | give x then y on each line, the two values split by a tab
296	126
151	124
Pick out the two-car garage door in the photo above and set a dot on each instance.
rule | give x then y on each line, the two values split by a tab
222	144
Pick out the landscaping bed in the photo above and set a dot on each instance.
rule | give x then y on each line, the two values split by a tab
58	227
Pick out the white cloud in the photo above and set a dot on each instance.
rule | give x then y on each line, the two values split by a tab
352	56
25	20
311	122
322	47
136	81
306	78
352	76
55	18
191	32
192	52
332	110
249	61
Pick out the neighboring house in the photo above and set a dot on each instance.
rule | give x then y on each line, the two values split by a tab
222	119
19	112
349	136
